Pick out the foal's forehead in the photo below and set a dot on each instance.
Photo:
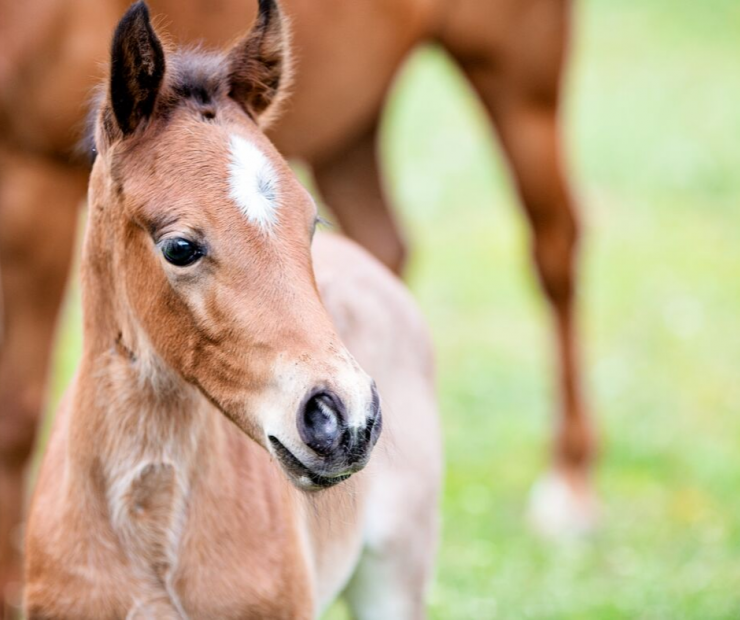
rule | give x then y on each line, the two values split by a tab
232	162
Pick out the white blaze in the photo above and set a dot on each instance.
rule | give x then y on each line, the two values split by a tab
253	183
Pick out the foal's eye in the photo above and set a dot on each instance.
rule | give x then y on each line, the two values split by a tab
181	252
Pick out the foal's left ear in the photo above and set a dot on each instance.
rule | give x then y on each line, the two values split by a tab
259	64
137	68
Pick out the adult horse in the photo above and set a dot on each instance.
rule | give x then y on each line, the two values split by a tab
51	52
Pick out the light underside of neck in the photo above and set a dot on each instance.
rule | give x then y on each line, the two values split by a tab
130	408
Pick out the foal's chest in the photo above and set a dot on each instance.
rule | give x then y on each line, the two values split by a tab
224	543
209	555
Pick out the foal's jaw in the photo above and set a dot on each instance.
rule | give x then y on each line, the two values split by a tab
205	231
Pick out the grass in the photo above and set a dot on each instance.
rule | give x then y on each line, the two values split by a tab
653	127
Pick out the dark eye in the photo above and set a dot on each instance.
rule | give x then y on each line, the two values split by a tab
181	252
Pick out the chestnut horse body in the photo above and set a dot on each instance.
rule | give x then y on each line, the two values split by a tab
347	54
204	463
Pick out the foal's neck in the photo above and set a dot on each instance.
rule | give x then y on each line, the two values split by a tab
142	425
131	411
144	436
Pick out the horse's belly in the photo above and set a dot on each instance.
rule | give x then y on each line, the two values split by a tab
347	56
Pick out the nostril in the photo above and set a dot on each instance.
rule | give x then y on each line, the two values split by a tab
370	429
375	405
375	420
374	423
320	424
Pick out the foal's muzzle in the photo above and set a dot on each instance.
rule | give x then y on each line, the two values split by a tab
336	450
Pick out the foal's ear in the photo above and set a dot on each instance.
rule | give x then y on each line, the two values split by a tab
137	68
259	64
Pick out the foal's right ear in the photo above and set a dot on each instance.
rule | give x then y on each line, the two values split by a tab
259	65
137	68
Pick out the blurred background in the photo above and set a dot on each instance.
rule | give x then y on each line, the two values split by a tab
652	118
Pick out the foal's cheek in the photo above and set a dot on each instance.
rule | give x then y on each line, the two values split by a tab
162	314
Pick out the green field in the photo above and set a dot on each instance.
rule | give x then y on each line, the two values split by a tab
653	127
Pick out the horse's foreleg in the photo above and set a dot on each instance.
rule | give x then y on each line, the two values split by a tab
563	499
518	80
350	183
38	214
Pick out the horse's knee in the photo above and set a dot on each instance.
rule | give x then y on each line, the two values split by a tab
393	253
576	446
555	241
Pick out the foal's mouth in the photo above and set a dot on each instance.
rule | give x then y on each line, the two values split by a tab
307	478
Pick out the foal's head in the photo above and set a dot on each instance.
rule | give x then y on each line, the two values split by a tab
198	253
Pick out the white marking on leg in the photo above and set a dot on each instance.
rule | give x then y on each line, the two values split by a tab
557	507
253	184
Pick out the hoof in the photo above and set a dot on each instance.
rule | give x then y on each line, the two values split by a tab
562	506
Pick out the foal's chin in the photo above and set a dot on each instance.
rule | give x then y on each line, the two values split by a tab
312	478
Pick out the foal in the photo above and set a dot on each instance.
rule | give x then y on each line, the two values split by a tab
195	466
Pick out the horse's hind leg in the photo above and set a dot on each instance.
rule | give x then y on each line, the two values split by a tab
350	183
517	74
38	213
